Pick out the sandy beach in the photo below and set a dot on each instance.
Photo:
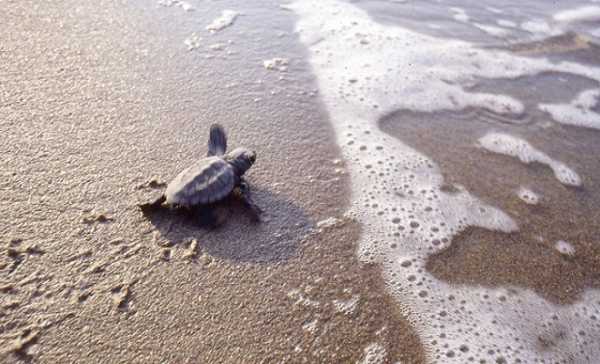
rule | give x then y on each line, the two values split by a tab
393	232
98	102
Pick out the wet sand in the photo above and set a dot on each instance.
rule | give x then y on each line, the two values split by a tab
99	99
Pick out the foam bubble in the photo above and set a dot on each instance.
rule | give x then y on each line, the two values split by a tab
460	15
579	112
492	30
564	248
225	20
507	23
519	148
539	26
563	21
186	6
580	14
528	196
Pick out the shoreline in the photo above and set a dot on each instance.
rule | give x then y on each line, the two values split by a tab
104	102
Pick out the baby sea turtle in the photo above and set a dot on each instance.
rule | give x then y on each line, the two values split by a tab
210	179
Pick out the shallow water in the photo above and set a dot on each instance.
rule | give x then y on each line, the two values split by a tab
489	21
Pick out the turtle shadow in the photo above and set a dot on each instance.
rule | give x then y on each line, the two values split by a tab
238	237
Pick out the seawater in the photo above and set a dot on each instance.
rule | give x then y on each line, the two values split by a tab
425	57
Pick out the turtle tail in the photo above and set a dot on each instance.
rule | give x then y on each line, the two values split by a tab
217	142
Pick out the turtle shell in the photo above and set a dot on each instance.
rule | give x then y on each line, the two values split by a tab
208	180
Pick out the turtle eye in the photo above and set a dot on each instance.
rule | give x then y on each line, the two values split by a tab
252	157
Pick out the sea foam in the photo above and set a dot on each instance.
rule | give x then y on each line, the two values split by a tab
366	70
225	20
578	112
526	153
584	13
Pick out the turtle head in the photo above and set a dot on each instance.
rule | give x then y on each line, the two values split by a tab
241	159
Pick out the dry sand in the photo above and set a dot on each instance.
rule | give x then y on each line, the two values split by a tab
98	99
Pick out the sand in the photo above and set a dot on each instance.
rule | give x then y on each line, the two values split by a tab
102	103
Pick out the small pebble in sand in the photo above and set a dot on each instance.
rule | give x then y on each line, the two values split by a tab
97	268
217	46
192	252
277	63
329	222
206	260
22	343
122	297
153	183
117	241
15	241
7	288
93	218
103	218
165	254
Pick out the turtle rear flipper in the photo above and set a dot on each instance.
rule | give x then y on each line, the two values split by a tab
217	141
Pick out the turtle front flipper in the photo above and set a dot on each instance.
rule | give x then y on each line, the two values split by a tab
248	201
217	141
150	207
